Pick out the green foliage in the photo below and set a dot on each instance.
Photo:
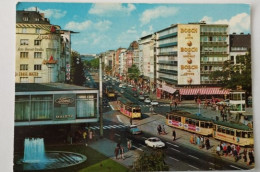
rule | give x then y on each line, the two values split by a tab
232	75
151	162
77	69
133	72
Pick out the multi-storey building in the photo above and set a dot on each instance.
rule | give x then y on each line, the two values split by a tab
116	62
240	44
42	49
122	64
187	54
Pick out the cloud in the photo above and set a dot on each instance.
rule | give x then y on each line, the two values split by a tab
132	30
238	23
103	25
49	13
78	26
110	9
158	12
147	32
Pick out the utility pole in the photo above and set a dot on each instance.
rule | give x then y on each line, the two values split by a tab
100	96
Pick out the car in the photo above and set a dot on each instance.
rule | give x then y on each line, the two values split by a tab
120	85
134	89
141	97
122	91
130	86
154	103
124	86
147	100
135	94
133	129
154	142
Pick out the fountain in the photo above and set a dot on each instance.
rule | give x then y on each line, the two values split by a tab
34	150
35	157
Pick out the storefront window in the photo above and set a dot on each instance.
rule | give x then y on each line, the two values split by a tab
22	108
42	107
86	106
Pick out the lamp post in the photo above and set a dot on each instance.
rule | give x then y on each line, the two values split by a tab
100	97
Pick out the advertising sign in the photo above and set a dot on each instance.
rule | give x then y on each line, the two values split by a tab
188	54
64	107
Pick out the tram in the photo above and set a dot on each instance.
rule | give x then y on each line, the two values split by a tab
238	134
129	109
110	92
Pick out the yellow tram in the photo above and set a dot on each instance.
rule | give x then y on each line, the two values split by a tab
110	92
189	122
129	109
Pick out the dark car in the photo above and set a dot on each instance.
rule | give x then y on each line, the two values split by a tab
133	129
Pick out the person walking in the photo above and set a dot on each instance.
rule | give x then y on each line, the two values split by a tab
129	144
207	144
122	152
218	150
175	104
159	129
251	157
90	135
191	139
116	152
84	135
173	135
245	155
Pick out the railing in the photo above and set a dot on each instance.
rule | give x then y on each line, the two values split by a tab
168	35
213	52
214	43
172	63
171	81
174	72
173	53
168	44
213	33
212	62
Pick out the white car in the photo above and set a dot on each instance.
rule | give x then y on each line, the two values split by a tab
147	100
120	85
154	142
154	103
130	86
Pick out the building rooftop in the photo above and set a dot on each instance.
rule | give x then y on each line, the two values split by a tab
30	87
240	40
31	17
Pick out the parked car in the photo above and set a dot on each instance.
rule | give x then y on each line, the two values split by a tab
141	97
124	86
133	129
135	94
154	142
120	85
154	103
147	100
130	86
122	91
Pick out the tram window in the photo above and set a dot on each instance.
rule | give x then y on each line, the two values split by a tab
167	116
244	135
179	119
219	129
136	110
190	121
186	121
202	124
227	131
193	122
206	125
210	125
214	127
238	133
175	118
223	130
250	135
197	123
232	132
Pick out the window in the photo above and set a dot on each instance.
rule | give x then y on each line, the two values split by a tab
37	55
37	42
223	130
210	39
37	79
232	132
24	67
202	124
86	106
219	129
37	19
24	30
24	80
22	108
205	67
38	67
227	131
232	58
24	54
42	107
25	18
238	133
37	30
24	42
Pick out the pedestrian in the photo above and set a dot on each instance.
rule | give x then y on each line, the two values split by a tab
238	149
202	141
84	135
245	155
191	139
198	140
173	135
159	129
163	130
122	152
207	144
235	155
90	135
129	144
251	157
218	150
175	104
194	139
229	150
116	151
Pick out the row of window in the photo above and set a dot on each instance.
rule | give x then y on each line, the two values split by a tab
26	42
167	49
26	18
26	67
214	59
228	131
212	68
168	31
213	29
26	80
37	55
213	38
37	30
214	49
238	48
166	41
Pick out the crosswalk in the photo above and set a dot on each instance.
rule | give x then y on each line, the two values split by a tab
106	127
151	105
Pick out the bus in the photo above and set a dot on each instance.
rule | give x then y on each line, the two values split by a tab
189	122
128	109
235	133
110	92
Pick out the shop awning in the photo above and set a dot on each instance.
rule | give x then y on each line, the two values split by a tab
204	91
168	89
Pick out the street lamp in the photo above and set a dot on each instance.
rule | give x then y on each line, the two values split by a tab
100	96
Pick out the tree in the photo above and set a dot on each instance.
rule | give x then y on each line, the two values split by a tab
133	72
233	75
77	70
95	63
151	162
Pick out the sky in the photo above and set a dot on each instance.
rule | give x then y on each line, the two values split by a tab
108	26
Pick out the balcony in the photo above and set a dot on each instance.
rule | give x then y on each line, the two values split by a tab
168	44
170	63
205	72
213	62
213	33
172	72
211	43
209	82
174	53
170	81
168	35
224	53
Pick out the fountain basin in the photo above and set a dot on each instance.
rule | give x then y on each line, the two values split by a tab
53	160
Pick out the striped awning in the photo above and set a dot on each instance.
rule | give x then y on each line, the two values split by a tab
204	91
168	89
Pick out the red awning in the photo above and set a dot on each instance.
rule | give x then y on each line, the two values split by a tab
204	91
168	89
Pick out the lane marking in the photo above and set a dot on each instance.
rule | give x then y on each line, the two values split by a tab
172	144
93	128
193	156
236	167
117	135
112	126
174	158
175	150
111	107
138	148
193	166
122	125
119	119
211	163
